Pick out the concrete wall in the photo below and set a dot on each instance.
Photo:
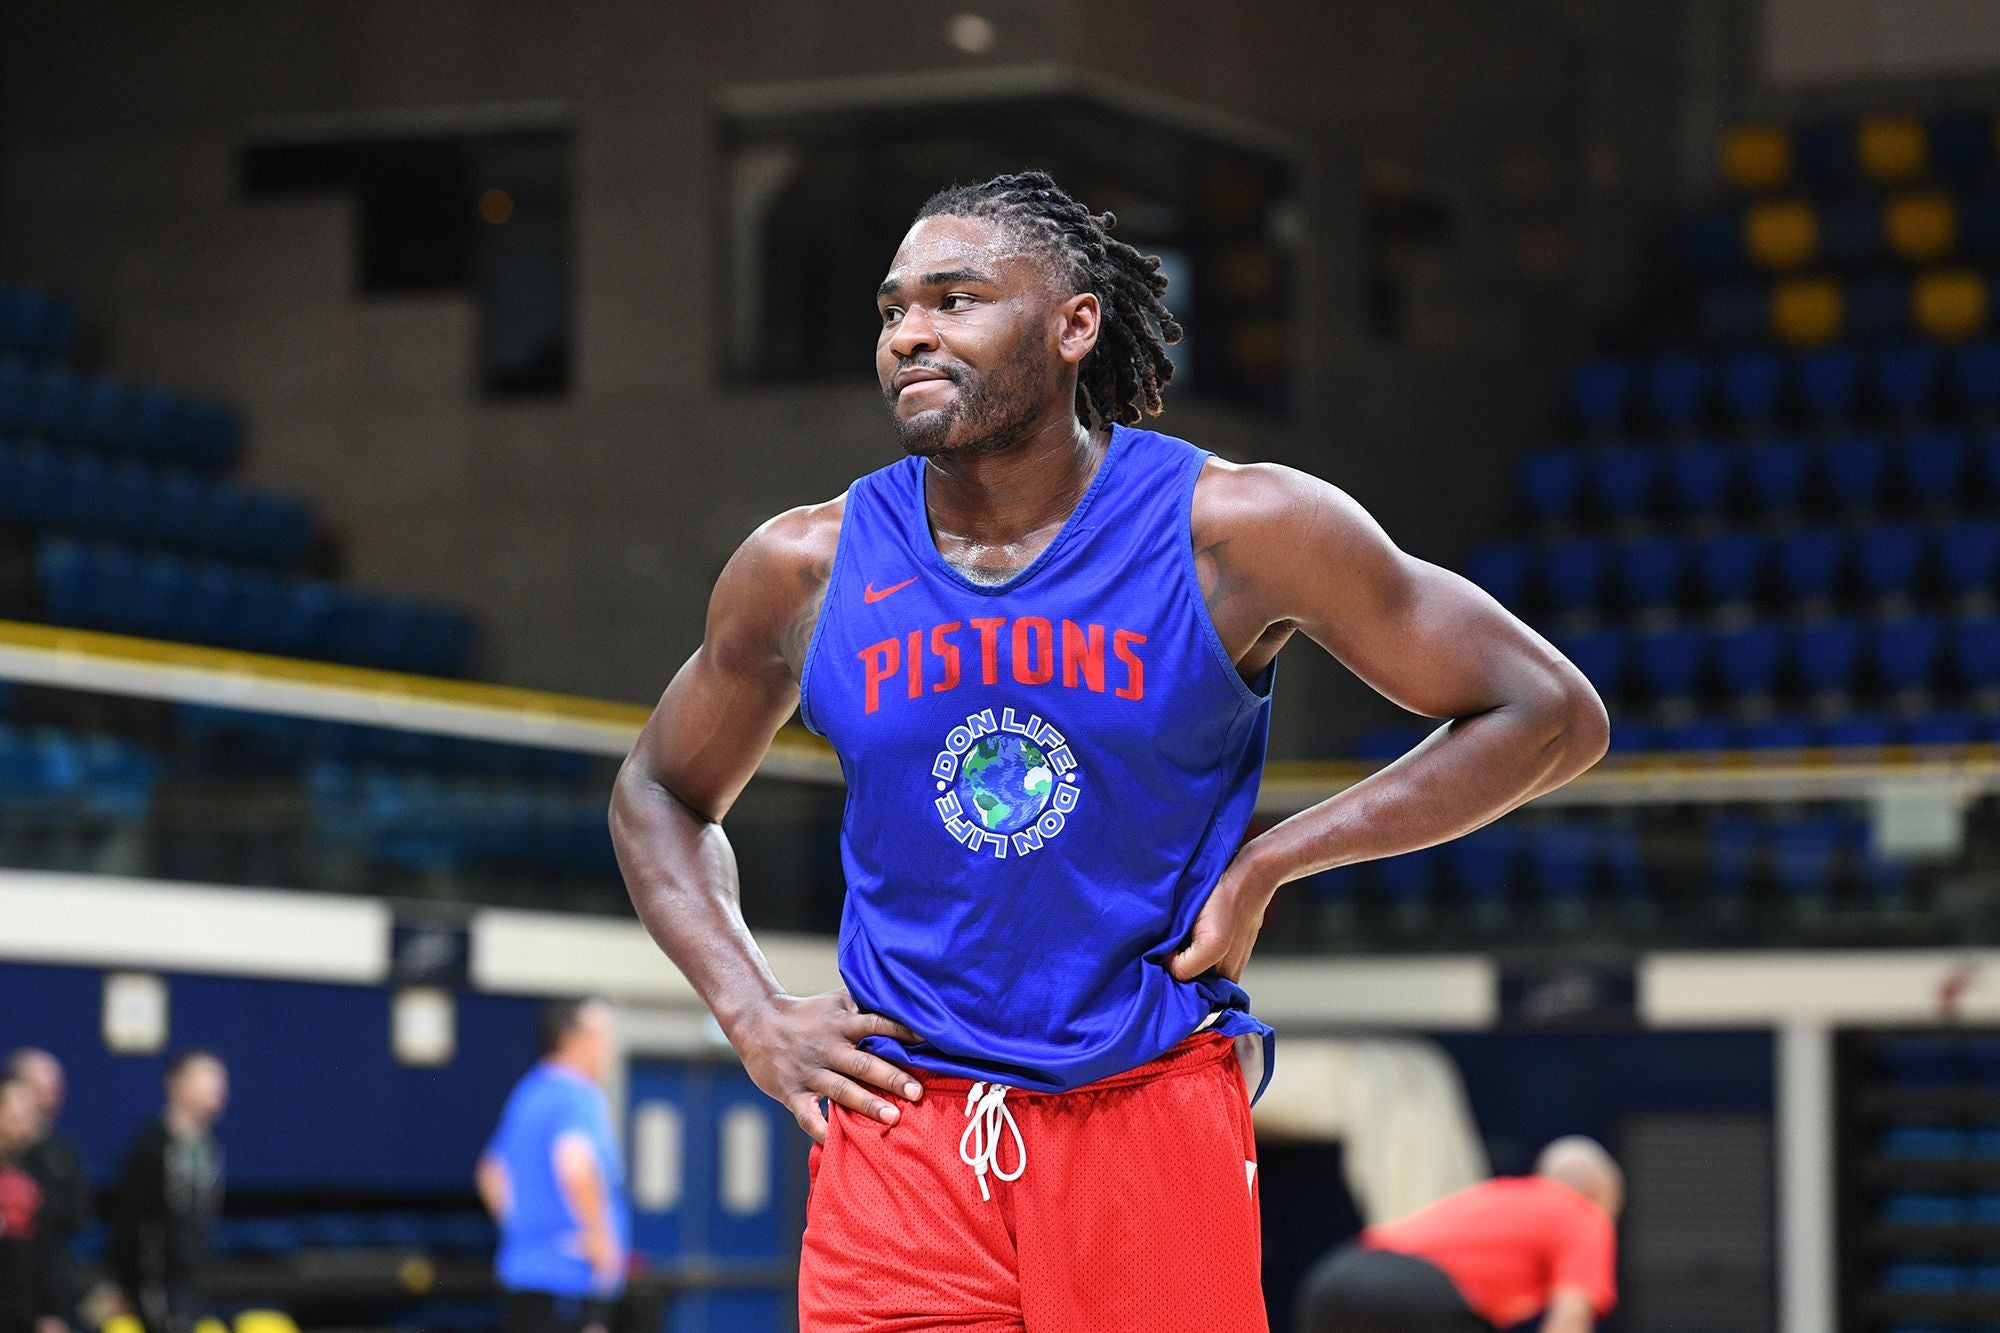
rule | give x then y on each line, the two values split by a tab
585	532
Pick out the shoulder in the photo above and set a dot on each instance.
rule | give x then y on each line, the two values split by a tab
761	613
1247	500
797	542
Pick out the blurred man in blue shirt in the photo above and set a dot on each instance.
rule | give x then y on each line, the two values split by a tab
552	1178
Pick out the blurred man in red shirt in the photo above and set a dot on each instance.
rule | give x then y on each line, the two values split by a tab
1484	1258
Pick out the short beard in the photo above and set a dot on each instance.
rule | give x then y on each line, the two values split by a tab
985	416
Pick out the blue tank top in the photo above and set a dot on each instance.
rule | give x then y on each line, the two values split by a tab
1045	778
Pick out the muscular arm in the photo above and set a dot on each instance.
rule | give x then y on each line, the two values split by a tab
1569	1312
691	761
1280	553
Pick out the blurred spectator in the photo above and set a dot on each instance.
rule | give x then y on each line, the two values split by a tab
1484	1258
52	1163
552	1179
168	1193
28	1296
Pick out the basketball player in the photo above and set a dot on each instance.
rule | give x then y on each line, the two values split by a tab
1042	645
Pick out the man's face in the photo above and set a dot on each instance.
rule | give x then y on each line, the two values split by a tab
594	1041
201	1090
20	1118
967	354
41	1072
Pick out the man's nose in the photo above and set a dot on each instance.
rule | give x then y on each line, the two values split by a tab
914	333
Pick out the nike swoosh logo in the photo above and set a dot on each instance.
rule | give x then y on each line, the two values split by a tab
869	595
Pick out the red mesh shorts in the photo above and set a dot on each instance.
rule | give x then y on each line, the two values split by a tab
1134	1210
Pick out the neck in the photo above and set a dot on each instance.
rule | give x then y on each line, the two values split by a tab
1004	496
572	1064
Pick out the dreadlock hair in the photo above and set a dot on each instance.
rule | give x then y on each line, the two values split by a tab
1124	374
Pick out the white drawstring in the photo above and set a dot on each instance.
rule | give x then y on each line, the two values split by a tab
979	1146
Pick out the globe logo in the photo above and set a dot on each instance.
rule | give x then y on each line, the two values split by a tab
1004	782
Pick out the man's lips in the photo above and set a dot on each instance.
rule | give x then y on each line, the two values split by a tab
910	379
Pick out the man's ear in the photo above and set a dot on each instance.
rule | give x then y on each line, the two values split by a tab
1077	321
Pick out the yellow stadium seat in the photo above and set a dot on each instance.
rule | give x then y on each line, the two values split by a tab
1921	226
1781	233
1949	304
1890	148
265	1321
122	1323
210	1324
1756	157
1805	311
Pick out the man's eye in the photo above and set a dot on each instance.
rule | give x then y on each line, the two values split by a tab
891	314
956	301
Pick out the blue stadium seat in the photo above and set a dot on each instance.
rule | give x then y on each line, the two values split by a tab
1485	865
1809	562
1924	1277
1975	372
1733	843
1699	477
1729	567
1905	651
1551	484
1827	381
1600	655
1889	559
1600	392
1748	658
1750	383
1924	1062
1952	729
1775	472
16	392
1858	731
1968	556
1922	1210
1805	855
1826	656
1986	461
1924	1143
1573	572
1408	881
1649	570
1622	479
1931	466
1853	469
1624	861
1702	733
1850	231
1669	662
1878	306
1906	377
1781	732
1714	240
1975	651
1504	569
1382	744
1562	862
1677	389
59	399
1959	145
1732	315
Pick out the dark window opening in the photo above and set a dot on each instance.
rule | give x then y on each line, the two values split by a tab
487	214
818	200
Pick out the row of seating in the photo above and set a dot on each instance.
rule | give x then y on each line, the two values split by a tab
34	320
1806	858
420	822
1836	656
98	586
1753	386
1774	476
1952	729
1912	227
61	403
283	1235
1939	1062
1807	310
1807	566
290	741
1925	1276
1939	1210
78	491
48	771
1883	149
